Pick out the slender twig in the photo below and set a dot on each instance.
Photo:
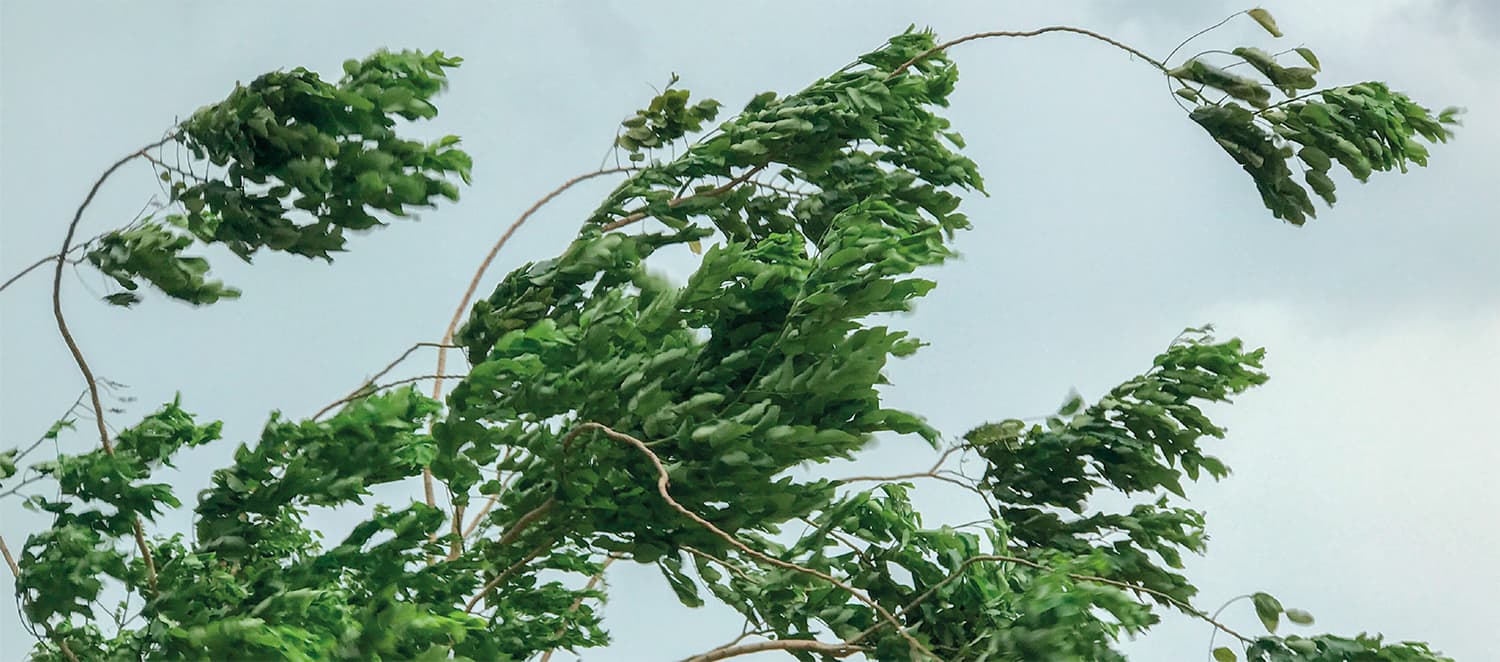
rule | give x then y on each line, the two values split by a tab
1286	101
830	649
717	191
83	366
930	473
27	481
42	439
1026	33
35	265
662	487
370	389
365	388
1220	610
1198	34
505	574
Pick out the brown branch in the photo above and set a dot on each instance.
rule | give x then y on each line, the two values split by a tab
930	473
1027	33
662	488
15	570
356	393
1188	608
525	521
504	575
83	365
640	214
831	649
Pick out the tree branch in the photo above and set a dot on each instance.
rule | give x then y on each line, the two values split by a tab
83	366
1026	33
831	649
640	214
463	303
355	394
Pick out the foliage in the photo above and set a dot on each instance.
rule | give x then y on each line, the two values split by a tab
609	413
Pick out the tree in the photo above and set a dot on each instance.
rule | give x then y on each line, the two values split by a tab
611	414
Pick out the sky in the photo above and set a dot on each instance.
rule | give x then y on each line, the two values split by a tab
1362	471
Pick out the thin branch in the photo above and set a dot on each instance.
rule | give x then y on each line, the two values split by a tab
662	488
42	439
1200	33
356	393
51	258
833	649
370	390
930	473
504	575
27	481
10	561
83	366
674	202
1027	33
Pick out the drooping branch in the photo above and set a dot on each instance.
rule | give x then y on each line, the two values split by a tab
1026	33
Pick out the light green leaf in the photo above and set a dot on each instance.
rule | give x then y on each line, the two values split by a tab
1265	20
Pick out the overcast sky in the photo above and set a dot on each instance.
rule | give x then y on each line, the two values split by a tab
1363	487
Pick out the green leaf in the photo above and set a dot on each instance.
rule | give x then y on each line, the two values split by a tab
1268	610
1265	20
1299	617
1224	654
1309	57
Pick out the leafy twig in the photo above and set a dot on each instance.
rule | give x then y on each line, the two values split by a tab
1026	33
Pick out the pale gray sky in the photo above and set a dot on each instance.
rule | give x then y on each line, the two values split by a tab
1362	469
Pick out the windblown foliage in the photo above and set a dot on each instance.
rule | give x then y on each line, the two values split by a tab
609	413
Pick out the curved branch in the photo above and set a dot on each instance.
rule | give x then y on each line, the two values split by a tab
1025	33
83	365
